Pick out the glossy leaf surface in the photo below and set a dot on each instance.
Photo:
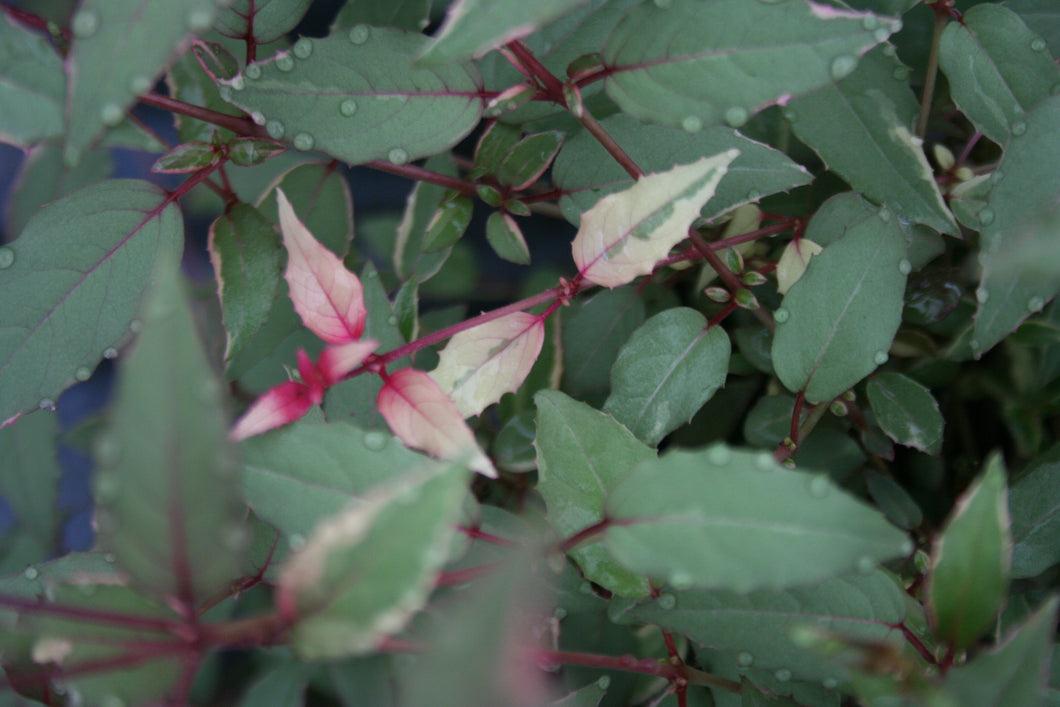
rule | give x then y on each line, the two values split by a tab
582	454
626	233
32	86
671	366
730	519
1034	505
263	20
354	96
85	298
906	411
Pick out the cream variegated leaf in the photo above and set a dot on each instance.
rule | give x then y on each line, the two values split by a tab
627	232
483	363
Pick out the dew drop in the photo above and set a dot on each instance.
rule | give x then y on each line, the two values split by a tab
303	48
790	115
85	24
359	34
764	462
667	601
904	266
982	295
391	320
371	274
781	315
46	404
974	343
83	373
745	659
237	83
30	573
604	682
1038	44
110	558
869	22
681	581
374	441
736	116
7	257
692	124
235	538
107	487
754	195
398	156
258	117
348	107
819	486
884	213
140	84
900	73
783	675
830	683
253	72
842	66
719	456
225	92
275	129
881	34
865	565
110	352
906	547
889	50
986	216
1019	128
880	358
1035	304
284	62
108	451
136	326
111	114
296	541
199	20
560	613
303	141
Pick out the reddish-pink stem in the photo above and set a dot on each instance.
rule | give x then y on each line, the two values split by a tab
486	537
425	175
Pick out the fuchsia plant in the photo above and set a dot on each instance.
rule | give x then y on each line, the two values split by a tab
776	426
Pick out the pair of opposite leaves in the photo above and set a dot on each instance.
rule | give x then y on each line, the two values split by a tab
621	237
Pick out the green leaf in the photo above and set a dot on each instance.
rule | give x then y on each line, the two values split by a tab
1013	673
588	696
413	15
894	500
247	258
448	223
30	479
189	157
355	96
592	334
732	519
63	309
189	83
862	129
264	20
165	487
119	48
1023	186
581	455
757	627
997	68
627	232
906	411
769	421
506	238
971	561
671	366
836	324
1034	504
585	172
32	86
282	685
496	142
525	162
1042	15
248	151
473	27
413	256
676	65
43	177
365	571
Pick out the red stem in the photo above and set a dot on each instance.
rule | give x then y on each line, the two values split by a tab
238	125
412	171
585	533
35	21
33	606
486	537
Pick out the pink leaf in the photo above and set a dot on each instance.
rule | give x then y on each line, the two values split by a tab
337	361
424	417
483	363
327	296
285	403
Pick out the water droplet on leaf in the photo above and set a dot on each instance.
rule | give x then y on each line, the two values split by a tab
1019	128
736	116
85	24
83	373
745	659
842	66
398	156
719	456
275	129
880	358
790	115
681	581
140	84
110	352
303	48
391	320
237	83
904	266
359	34
889	50
253	71
348	107
296	541
865	565
374	441
764	462
819	486
982	295
235	538
108	451
1038	44
667	602
46	404
303	141
284	62
881	33
869	22
900	73
7	257
604	682
830	683
111	114
258	117
781	315
1035	304
107	487
225	92
783	675
199	20
692	124
986	216
30	573
884	213
560	613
